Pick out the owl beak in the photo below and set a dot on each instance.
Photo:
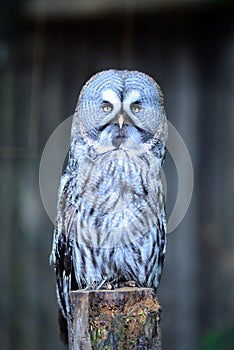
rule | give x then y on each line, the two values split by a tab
121	120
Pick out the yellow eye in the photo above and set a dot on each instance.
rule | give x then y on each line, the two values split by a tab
107	107
135	107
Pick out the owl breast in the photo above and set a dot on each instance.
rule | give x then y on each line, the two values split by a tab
117	198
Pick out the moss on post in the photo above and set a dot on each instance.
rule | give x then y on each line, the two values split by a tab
125	318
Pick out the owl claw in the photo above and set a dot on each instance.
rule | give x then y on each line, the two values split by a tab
93	285
131	284
101	284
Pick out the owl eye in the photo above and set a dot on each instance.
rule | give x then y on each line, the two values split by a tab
107	107
135	107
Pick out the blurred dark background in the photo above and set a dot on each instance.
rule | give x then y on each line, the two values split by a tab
48	49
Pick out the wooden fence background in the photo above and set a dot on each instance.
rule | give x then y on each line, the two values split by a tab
45	57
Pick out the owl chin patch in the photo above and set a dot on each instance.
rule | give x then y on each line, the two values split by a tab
120	136
118	141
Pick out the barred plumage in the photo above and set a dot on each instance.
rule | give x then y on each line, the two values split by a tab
110	226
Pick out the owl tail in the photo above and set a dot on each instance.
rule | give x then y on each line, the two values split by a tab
63	331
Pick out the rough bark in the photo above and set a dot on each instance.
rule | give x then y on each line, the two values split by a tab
125	318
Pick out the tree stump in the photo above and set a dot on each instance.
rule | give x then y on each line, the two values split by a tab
125	318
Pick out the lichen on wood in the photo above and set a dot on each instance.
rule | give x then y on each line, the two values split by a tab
126	318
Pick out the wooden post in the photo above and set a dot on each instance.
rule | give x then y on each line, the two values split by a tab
125	318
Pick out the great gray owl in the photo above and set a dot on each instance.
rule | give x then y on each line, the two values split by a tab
110	226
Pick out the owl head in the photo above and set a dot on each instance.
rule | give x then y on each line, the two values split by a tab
120	109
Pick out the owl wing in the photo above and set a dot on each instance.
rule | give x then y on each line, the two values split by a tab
155	265
160	247
61	255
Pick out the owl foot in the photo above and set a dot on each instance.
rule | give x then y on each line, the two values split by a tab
94	285
131	284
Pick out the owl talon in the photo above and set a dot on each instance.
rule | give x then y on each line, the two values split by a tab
131	284
101	284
